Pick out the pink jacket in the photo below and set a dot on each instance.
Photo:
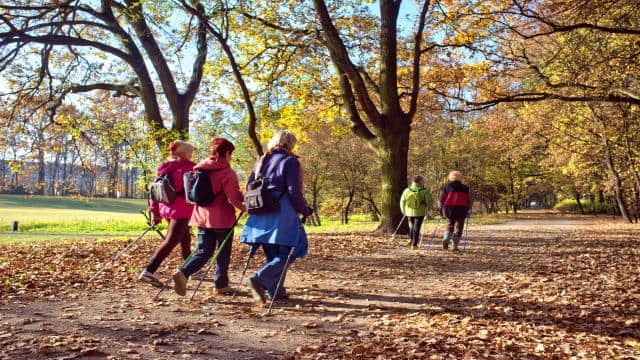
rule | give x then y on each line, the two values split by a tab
220	214
179	209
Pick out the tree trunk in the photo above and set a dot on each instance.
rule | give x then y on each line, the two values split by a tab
347	208
3	171
315	192
54	175
617	182
578	201
40	186
392	150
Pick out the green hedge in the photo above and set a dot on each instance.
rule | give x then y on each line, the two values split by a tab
571	206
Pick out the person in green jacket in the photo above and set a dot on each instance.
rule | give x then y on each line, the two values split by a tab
415	201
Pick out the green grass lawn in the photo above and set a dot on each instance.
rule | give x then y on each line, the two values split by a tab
54	215
43	218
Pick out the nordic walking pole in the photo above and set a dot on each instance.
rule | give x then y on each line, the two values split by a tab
435	229
215	257
118	254
466	233
252	250
398	227
281	280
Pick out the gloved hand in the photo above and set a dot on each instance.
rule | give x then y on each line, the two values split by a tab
303	219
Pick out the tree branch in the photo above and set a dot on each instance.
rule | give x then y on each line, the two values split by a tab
341	59
415	87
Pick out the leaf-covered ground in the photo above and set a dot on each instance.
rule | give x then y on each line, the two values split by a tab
536	287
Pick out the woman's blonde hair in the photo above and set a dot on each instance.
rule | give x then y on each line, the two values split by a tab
455	175
180	149
282	138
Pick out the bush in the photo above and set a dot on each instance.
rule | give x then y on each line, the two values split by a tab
571	206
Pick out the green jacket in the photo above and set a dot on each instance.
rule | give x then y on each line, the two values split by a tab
426	201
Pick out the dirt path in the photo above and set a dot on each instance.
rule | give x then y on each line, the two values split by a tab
540	286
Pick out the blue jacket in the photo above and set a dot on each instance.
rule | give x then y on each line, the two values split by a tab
281	227
285	178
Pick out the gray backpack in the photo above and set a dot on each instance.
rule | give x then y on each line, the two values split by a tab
162	189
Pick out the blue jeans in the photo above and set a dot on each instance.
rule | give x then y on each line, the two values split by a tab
208	241
270	273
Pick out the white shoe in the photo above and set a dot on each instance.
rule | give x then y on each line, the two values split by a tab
150	278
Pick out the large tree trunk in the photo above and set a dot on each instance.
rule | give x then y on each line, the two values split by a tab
379	119
392	150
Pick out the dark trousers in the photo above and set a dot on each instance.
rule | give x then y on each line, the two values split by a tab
270	273
455	225
208	241
415	223
177	233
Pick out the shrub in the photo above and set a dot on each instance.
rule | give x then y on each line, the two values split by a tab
571	206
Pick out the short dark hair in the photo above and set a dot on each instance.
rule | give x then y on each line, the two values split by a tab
221	146
417	178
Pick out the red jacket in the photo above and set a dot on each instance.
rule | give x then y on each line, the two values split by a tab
179	209
220	214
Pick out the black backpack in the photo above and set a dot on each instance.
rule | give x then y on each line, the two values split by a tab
258	199
162	189
197	188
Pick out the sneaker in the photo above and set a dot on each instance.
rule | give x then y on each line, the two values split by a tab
149	278
456	242
414	247
257	291
199	275
180	283
223	291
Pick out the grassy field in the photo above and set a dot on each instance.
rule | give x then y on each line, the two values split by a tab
64	216
59	219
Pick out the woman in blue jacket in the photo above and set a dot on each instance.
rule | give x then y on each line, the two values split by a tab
280	232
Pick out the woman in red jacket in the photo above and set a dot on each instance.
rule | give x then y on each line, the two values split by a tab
215	222
177	213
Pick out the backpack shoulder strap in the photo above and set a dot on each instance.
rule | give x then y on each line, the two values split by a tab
207	173
274	166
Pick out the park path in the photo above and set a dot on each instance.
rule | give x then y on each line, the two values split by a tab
538	286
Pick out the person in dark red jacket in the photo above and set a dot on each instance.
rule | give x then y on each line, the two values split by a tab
215	221
177	213
455	205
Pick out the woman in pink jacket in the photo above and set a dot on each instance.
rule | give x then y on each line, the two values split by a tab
215	221
177	213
